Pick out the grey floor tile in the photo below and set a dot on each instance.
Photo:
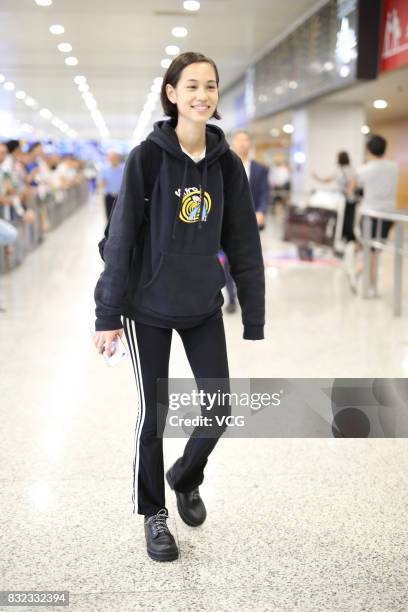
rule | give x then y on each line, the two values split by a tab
293	524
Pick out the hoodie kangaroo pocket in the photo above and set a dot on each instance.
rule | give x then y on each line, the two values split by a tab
185	285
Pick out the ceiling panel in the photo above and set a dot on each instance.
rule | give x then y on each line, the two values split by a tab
119	44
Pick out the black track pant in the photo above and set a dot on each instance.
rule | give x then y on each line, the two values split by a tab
150	351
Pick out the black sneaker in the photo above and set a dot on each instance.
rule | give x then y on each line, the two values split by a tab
161	545
190	506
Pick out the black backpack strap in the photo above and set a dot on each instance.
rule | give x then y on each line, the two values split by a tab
225	163
151	160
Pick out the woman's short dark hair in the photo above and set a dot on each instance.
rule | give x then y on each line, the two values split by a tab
343	158
377	145
172	77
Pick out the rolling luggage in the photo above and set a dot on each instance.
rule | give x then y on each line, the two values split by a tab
319	222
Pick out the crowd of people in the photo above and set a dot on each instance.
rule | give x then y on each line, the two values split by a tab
27	177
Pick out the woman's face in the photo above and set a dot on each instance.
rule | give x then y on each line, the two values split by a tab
196	93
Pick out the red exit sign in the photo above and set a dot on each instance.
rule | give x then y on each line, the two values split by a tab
394	32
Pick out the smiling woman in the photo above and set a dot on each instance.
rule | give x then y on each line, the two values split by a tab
162	272
191	72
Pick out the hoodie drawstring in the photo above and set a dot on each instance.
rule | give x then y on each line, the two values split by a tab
180	202
202	210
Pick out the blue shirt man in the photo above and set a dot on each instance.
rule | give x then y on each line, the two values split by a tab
112	179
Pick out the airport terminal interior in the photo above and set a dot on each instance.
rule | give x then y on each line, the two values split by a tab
313	102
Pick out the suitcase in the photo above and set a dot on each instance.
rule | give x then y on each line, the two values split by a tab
319	223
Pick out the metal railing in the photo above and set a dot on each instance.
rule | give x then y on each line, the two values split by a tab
399	217
49	213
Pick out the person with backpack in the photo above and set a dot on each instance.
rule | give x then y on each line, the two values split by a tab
184	196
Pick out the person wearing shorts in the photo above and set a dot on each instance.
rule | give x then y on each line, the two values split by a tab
378	179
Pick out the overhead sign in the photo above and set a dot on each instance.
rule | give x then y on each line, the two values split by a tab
394	41
332	49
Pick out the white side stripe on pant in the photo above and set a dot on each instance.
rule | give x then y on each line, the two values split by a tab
134	352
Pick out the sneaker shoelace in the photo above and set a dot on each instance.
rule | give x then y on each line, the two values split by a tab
159	522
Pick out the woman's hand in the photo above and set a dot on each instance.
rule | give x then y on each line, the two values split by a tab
103	340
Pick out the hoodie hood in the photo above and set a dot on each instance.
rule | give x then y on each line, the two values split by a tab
164	135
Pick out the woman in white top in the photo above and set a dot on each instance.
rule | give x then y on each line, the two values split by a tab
344	177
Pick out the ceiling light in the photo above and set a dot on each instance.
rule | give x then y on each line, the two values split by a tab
293	85
91	104
9	86
365	129
288	128
299	157
172	50
262	98
179	32
47	114
279	90
158	80
43	2
149	106
165	63
87	95
191	5
71	60
20	95
57	29
344	71
328	66
84	87
79	79
377	103
30	101
64	47
2	78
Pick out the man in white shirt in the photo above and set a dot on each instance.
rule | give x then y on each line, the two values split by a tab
378	178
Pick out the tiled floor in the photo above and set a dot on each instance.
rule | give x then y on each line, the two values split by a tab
293	524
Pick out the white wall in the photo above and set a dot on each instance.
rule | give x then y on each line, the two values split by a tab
321	131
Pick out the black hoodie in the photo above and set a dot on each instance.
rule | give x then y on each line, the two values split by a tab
166	272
